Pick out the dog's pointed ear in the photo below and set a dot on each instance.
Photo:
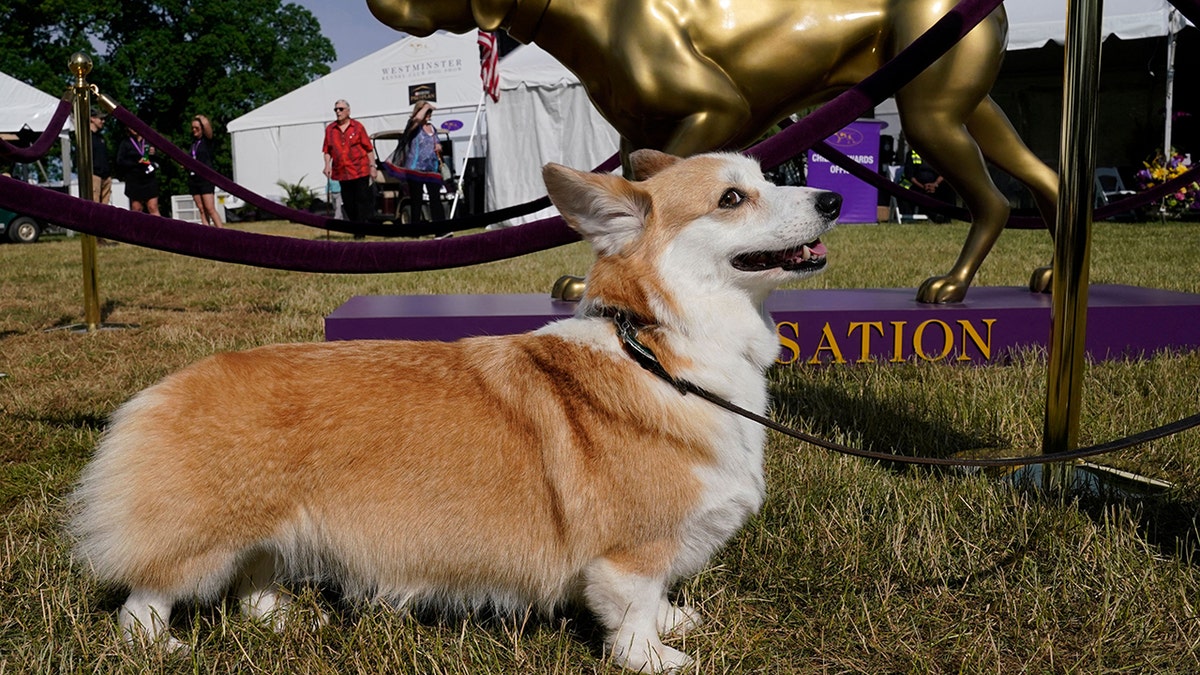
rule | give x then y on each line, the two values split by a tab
607	210
646	163
489	13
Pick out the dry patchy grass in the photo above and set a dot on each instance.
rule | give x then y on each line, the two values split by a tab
852	566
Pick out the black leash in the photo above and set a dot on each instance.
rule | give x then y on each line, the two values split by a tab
627	330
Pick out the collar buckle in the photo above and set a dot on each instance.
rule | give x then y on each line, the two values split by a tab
627	332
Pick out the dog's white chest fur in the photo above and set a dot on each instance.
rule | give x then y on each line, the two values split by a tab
734	491
732	484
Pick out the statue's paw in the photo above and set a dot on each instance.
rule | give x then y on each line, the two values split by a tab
942	290
1039	281
568	288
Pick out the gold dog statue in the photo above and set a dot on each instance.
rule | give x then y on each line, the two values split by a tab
688	77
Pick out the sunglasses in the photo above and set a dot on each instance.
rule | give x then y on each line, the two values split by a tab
338	109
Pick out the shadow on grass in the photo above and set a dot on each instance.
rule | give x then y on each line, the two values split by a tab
1168	520
343	614
108	308
876	424
1174	527
74	321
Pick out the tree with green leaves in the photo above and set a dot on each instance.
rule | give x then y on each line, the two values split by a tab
168	60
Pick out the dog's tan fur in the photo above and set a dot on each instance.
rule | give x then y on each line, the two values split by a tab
235	479
517	470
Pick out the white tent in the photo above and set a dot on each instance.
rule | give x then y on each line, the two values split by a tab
282	139
1034	23
543	115
24	105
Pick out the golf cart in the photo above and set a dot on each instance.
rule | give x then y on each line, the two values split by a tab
22	229
17	227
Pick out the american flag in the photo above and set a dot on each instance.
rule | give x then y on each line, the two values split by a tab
489	64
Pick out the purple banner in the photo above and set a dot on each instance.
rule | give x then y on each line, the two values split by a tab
858	141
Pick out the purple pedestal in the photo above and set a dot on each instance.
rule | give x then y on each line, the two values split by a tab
831	326
441	317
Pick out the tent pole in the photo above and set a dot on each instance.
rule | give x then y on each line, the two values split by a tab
1170	85
467	154
1170	102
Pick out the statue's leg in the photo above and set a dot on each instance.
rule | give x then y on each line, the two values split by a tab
709	129
934	112
949	148
1004	148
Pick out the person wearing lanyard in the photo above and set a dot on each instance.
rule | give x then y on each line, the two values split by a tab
136	167
200	188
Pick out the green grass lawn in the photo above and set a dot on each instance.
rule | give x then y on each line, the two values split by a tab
853	566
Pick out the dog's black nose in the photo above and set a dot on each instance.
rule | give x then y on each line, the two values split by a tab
829	204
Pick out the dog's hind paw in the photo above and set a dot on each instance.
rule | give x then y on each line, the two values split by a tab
657	659
671	660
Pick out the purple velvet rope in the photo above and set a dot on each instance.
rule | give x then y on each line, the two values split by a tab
285	253
42	145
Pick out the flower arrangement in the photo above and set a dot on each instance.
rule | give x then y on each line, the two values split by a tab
1160	170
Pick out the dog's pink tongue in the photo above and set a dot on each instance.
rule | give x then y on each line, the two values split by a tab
817	249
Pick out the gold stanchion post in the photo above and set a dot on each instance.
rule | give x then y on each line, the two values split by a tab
1072	247
81	94
80	65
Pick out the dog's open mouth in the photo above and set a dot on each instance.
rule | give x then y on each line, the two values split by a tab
810	256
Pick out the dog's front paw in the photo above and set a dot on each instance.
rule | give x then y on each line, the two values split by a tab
1039	281
942	290
649	658
177	648
677	619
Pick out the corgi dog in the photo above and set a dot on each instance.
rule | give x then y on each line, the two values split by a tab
509	472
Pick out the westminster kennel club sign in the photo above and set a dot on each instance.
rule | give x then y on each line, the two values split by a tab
832	327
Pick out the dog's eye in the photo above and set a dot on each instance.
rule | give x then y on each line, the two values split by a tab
732	198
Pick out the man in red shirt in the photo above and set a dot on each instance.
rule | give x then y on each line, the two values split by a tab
350	160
